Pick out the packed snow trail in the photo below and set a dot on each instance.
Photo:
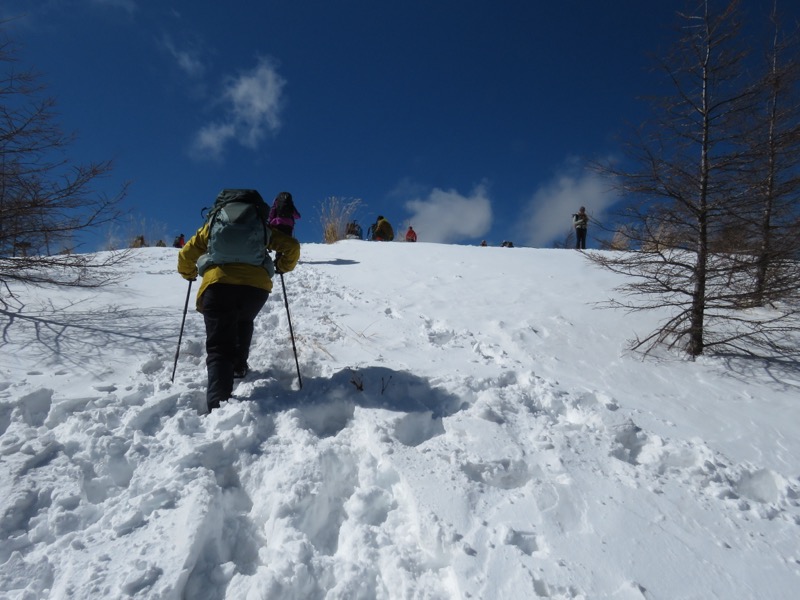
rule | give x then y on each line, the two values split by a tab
464	431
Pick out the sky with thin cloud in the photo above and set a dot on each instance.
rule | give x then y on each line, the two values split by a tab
250	111
470	121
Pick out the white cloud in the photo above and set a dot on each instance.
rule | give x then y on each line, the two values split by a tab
547	217
188	60
211	139
252	102
447	216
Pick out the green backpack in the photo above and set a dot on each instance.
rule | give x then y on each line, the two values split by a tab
238	231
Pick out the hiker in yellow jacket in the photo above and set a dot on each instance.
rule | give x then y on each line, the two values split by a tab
230	297
382	230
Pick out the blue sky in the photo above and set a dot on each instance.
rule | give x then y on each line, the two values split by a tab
470	119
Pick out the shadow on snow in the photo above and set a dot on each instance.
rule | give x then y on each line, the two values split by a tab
75	335
337	262
326	405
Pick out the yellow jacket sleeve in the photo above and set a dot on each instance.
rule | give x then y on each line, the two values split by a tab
288	250
191	253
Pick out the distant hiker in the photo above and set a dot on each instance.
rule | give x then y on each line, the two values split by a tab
283	213
180	240
354	231
411	235
580	220
138	242
507	244
230	253
382	230
484	244
160	244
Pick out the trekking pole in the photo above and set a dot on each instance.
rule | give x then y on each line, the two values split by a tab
291	332
180	337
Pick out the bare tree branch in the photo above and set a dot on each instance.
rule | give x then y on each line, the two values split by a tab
46	201
710	223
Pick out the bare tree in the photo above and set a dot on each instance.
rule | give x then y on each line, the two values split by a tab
46	201
688	181
620	241
772	176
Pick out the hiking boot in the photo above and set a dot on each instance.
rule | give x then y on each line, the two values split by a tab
240	371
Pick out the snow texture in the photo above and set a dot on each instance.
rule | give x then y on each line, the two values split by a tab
470	426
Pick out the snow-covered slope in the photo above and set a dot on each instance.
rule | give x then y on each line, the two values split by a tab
469	426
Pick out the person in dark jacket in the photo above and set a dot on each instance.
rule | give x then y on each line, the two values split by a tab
283	213
230	297
580	220
353	231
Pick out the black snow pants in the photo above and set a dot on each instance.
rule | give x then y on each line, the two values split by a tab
229	311
580	238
